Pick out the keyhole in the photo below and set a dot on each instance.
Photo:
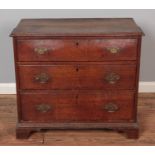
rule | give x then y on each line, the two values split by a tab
77	44
76	98
77	69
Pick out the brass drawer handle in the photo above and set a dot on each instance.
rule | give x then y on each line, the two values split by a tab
41	50
113	50
112	78
42	78
43	108
111	107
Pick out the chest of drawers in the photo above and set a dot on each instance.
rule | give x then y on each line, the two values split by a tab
77	74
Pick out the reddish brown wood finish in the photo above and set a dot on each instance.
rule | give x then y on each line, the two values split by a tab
77	61
77	77
93	27
78	107
77	49
22	133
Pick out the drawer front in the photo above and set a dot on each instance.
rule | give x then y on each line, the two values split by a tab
112	49
77	76
77	50
78	107
51	50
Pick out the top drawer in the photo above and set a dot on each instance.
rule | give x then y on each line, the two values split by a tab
77	50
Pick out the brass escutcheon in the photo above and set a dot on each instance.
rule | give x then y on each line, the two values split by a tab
42	78
111	107
41	50
113	50
112	78
43	108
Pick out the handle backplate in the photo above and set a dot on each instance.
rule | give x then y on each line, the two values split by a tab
43	108
41	50
112	78
113	50
111	107
42	78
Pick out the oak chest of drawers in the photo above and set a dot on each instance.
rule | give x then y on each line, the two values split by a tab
77	74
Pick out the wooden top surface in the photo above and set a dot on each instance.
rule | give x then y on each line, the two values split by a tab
77	27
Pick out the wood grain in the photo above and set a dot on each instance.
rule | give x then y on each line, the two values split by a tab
146	114
76	49
78	76
69	107
8	119
77	27
74	40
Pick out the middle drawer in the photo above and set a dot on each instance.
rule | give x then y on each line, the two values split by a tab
77	76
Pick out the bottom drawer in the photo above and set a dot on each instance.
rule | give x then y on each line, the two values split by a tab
78	106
